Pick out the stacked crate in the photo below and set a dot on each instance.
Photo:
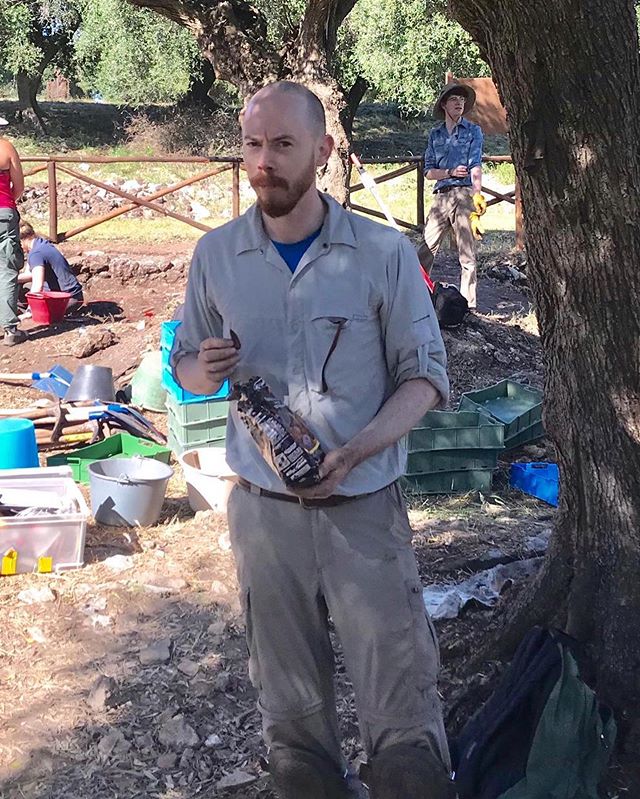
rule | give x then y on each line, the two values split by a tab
193	420
517	407
201	424
451	452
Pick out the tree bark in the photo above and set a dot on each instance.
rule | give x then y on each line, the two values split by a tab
28	87
308	60
232	34
574	116
50	43
198	94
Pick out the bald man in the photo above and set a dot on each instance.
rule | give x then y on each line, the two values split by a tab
331	311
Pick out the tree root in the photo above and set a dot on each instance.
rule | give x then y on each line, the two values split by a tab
542	602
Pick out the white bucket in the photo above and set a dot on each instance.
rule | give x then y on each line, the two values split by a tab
209	479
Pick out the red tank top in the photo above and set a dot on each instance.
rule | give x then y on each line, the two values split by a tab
6	195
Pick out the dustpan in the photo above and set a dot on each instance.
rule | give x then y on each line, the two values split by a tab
55	380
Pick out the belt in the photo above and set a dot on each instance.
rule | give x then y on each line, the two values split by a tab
326	502
445	189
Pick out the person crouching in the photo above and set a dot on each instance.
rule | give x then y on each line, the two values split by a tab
46	268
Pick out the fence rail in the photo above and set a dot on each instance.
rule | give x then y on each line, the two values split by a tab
58	163
414	163
54	164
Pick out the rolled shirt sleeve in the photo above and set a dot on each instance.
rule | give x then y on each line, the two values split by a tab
413	343
475	148
430	155
202	319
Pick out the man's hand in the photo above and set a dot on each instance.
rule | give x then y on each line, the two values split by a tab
460	171
479	203
334	468
218	357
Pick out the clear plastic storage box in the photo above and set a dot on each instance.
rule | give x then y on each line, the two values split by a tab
53	538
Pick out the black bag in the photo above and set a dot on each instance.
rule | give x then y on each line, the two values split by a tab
284	440
542	733
450	306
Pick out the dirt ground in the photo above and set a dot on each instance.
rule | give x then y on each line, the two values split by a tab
129	679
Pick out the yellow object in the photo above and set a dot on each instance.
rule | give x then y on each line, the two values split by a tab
479	203
75	437
45	564
9	563
476	226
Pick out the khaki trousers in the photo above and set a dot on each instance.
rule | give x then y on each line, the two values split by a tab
353	562
451	209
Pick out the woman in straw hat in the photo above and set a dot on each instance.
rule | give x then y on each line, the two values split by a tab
11	255
454	160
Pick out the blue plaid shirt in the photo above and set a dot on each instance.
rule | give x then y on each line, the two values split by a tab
444	151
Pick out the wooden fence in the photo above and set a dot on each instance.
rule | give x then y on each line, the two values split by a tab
216	165
414	164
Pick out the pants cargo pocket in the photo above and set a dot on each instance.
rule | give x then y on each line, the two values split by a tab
254	662
427	652
400	527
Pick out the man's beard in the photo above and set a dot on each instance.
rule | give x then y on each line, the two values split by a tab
286	201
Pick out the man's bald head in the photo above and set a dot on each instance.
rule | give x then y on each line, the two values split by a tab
312	108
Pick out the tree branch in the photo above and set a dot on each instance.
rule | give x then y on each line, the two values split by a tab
175	10
354	98
232	35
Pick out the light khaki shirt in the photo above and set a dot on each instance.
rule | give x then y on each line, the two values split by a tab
334	339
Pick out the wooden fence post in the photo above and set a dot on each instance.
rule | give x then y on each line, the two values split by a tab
420	192
53	201
235	190
519	228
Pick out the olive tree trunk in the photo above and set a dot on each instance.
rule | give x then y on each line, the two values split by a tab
28	87
232	35
574	116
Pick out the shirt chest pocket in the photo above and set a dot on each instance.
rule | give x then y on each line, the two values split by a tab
441	150
461	145
338	340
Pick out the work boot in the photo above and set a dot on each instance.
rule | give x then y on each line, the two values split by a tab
406	772
303	775
13	336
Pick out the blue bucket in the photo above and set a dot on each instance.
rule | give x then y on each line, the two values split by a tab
18	447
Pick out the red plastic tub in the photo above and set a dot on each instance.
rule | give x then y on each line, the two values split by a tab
48	306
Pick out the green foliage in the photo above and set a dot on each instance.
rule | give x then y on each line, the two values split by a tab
34	32
134	56
17	52
404	48
283	17
128	55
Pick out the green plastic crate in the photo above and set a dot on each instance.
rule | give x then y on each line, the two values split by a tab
178	446
207	411
447	430
196	430
451	460
448	482
448	441
526	436
518	407
197	434
119	445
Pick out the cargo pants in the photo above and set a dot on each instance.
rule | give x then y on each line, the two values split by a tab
354	563
11	261
451	209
